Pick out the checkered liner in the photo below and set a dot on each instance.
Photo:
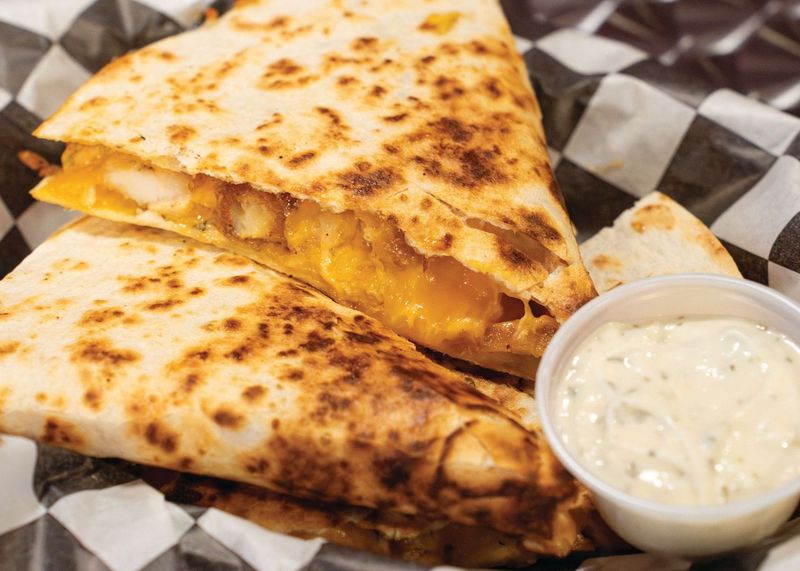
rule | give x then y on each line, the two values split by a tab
66	511
620	124
751	46
91	515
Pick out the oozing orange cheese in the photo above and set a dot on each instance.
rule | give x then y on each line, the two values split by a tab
427	299
80	184
356	258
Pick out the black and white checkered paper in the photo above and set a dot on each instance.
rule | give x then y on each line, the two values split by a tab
620	122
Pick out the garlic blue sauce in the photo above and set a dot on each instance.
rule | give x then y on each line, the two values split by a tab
693	411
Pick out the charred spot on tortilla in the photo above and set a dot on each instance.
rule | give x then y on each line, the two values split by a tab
258	467
60	432
368	183
364	43
316	342
190	382
448	88
231	260
92	398
493	87
253	393
200	355
332	116
282	67
98	101
606	262
369	338
228	419
285	79
445	242
239	353
9	347
276	23
395	118
479	167
101	351
161	437
302	158
452	128
654	216
181	133
162	304
159	54
275	119
295	375
541	225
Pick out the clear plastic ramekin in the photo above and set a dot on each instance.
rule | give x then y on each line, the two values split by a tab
667	529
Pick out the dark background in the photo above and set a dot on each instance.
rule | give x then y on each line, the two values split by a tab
751	46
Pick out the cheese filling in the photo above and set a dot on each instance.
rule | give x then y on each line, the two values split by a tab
356	258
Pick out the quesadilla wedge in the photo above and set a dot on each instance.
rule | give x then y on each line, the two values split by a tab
388	152
655	237
385	532
413	538
126	341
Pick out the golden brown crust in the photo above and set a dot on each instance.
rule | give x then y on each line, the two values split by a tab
432	124
413	538
186	357
428	541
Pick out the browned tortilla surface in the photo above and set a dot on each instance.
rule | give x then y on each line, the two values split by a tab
419	113
126	341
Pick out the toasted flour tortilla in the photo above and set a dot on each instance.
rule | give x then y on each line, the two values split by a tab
414	538
655	237
379	531
126	341
388	152
388	533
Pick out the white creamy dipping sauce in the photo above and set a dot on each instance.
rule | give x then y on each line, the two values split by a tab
693	411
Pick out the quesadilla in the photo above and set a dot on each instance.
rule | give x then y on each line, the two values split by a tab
131	342
655	237
413	538
387	152
385	532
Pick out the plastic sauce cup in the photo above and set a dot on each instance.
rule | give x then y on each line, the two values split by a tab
668	529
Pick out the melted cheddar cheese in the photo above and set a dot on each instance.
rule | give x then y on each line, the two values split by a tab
356	258
367	261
